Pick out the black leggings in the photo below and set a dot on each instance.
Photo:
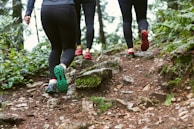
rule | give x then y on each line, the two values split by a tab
89	7
140	7
60	25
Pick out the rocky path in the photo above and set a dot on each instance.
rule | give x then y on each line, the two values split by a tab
133	99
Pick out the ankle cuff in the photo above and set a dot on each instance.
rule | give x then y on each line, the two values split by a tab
63	65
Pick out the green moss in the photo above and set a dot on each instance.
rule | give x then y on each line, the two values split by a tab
174	82
170	48
181	65
191	83
164	70
168	100
172	70
101	103
73	64
88	81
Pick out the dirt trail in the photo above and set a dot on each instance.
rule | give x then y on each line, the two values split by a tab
138	104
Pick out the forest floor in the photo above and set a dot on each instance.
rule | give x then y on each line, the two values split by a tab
136	105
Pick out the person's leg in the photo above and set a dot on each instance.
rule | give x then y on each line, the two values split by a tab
56	49
78	38
67	26
89	7
126	8
68	31
78	13
141	15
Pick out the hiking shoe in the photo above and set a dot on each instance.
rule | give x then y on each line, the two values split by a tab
61	80
145	43
131	54
87	56
78	52
51	88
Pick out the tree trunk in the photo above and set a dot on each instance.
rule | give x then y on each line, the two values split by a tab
172	4
102	36
17	13
2	7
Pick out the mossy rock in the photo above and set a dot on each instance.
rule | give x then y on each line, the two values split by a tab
182	64
88	81
112	64
93	78
81	63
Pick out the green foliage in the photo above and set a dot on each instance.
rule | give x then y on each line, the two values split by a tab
164	70
175	27
17	67
73	64
181	66
9	33
191	83
175	82
173	32
102	103
168	100
4	10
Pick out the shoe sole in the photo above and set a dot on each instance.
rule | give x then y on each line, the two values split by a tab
61	80
87	56
50	91
131	54
145	43
78	53
51	88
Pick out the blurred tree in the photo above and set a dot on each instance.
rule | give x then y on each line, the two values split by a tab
101	26
3	9
11	28
174	4
17	14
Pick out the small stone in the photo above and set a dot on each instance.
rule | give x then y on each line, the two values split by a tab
46	126
191	104
183	113
189	96
118	126
147	87
128	79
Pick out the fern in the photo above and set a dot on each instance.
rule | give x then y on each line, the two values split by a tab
175	27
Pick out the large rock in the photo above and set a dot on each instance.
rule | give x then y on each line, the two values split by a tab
10	119
93	78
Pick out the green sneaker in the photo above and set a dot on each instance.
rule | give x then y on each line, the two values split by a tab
51	88
61	80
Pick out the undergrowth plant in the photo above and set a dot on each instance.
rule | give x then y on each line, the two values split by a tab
102	103
174	34
18	67
175	28
168	100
